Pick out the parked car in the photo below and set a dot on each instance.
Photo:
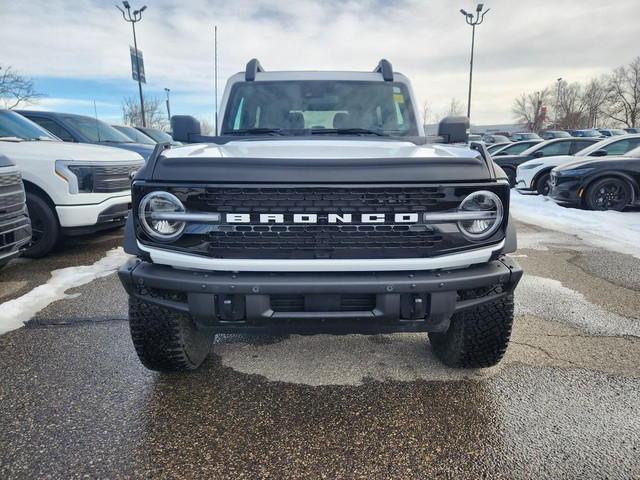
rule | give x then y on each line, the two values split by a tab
514	148
605	183
71	189
589	132
495	147
632	130
158	135
82	129
495	138
611	132
519	136
547	148
15	226
475	137
550	134
134	134
533	176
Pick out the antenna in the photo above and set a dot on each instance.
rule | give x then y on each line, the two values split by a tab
216	73
95	112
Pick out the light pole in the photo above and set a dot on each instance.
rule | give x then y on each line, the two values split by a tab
168	108
473	21
133	18
557	101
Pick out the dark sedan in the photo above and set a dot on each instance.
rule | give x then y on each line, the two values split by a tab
605	183
82	129
548	148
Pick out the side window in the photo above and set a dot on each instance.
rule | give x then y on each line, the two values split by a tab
54	128
557	148
580	145
622	147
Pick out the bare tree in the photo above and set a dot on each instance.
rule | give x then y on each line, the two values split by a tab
455	108
527	109
594	98
15	89
428	114
206	127
623	104
154	112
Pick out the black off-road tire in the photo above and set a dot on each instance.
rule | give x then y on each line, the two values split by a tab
608	194
476	338
166	340
44	225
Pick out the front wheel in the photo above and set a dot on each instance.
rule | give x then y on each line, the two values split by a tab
477	337
542	185
608	194
166	340
44	227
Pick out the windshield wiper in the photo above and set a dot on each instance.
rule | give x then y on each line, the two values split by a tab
256	131
347	131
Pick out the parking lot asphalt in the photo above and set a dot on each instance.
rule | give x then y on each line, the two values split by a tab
563	403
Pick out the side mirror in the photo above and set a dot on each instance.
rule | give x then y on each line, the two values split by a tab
599	153
538	154
185	128
454	129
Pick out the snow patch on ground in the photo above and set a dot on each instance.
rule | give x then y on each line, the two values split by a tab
14	313
615	231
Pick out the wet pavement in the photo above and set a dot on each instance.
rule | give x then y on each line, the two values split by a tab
563	403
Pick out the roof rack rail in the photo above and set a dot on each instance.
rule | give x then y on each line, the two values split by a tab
253	67
385	68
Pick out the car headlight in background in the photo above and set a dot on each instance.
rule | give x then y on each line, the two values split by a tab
529	166
160	216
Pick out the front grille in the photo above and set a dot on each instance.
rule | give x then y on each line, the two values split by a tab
322	222
109	179
304	200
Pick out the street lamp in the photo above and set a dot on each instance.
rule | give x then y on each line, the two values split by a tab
168	108
133	18
557	100
473	21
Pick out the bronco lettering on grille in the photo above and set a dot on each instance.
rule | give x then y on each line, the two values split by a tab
317	218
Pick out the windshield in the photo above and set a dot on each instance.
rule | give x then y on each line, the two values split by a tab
96	130
134	134
15	125
157	135
290	107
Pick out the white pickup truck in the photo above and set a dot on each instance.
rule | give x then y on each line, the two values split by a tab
71	189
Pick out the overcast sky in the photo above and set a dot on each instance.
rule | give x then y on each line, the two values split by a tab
78	52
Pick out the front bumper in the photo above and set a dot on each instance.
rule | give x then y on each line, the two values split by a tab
321	302
566	194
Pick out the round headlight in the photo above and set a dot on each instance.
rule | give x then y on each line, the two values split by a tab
484	215
155	216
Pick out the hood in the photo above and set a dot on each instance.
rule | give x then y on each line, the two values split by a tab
600	162
64	151
317	148
318	160
555	160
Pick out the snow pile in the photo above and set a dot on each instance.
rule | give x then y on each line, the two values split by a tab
616	231
14	313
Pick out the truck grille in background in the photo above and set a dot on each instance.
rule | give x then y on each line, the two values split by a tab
112	178
14	223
